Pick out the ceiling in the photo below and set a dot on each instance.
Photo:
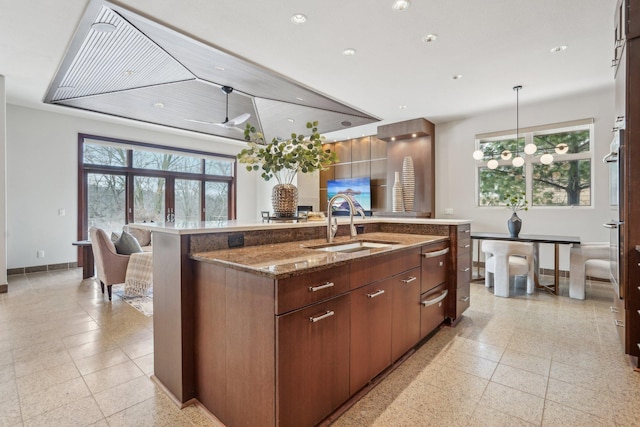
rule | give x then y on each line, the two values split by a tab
172	56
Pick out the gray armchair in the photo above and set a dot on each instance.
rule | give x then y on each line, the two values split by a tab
110	265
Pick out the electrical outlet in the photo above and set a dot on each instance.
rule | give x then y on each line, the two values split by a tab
61	212
235	240
448	211
40	254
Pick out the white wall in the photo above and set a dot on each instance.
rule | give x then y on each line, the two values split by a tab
42	177
455	170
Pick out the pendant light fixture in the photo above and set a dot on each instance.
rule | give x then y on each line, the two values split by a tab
518	160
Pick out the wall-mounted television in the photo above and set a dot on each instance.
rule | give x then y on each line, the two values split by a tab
359	189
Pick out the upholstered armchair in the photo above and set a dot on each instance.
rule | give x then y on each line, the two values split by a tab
587	259
504	259
110	265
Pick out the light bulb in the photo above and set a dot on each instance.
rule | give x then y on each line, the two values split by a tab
492	164
530	148
478	154
546	159
562	148
517	161
505	155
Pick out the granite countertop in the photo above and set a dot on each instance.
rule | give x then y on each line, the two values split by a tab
283	260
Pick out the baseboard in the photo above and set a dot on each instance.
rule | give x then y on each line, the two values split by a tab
42	268
4	288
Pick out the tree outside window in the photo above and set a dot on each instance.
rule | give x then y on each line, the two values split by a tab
564	182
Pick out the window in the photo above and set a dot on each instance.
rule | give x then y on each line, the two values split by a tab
124	181
564	182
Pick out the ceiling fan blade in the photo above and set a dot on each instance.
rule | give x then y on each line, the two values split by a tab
238	120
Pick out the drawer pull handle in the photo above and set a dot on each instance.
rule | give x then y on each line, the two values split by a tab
618	323
320	287
467	231
465	246
443	295
409	280
465	269
376	294
613	309
329	313
435	253
464	299
441	264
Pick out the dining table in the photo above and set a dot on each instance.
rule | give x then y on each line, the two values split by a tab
536	239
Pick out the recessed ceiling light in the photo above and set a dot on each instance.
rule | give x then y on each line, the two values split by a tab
345	123
158	104
219	68
429	38
298	19
349	52
128	72
299	98
400	5
290	120
402	107
103	27
457	77
559	48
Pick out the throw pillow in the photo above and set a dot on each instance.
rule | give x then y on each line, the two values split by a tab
142	236
114	237
127	244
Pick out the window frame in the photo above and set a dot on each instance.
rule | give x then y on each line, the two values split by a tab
130	172
529	160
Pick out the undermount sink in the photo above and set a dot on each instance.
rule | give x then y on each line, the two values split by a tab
354	246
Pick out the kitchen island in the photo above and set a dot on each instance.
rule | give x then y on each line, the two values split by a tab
266	324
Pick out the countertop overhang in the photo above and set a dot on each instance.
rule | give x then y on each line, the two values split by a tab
282	260
202	227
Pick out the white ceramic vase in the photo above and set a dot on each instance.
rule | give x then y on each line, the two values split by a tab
397	202
408	183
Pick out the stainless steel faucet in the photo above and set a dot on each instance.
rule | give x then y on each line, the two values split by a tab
332	226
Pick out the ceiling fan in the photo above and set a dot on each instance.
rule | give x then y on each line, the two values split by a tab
233	123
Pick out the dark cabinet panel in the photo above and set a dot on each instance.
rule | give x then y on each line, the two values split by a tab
313	362
371	308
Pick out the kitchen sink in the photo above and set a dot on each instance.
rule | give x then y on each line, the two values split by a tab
353	246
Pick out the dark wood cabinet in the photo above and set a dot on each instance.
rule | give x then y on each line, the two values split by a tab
371	309
313	361
627	76
405	323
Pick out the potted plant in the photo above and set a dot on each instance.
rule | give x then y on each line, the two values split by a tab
282	160
515	202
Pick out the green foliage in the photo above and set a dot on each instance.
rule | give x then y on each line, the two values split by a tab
562	183
516	202
283	159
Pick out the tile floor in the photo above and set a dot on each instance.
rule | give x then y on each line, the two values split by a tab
69	357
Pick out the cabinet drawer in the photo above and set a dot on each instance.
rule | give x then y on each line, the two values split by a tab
464	231
300	291
463	299
464	245
432	308
377	268
463	274
434	266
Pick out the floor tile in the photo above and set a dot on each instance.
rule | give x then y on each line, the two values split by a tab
116	399
556	414
82	412
100	361
53	397
520	380
583	399
112	376
513	402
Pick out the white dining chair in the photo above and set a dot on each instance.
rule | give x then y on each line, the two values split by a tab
504	259
587	260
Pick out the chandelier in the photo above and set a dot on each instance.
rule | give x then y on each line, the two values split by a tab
516	157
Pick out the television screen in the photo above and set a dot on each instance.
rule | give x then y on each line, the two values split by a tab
359	189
